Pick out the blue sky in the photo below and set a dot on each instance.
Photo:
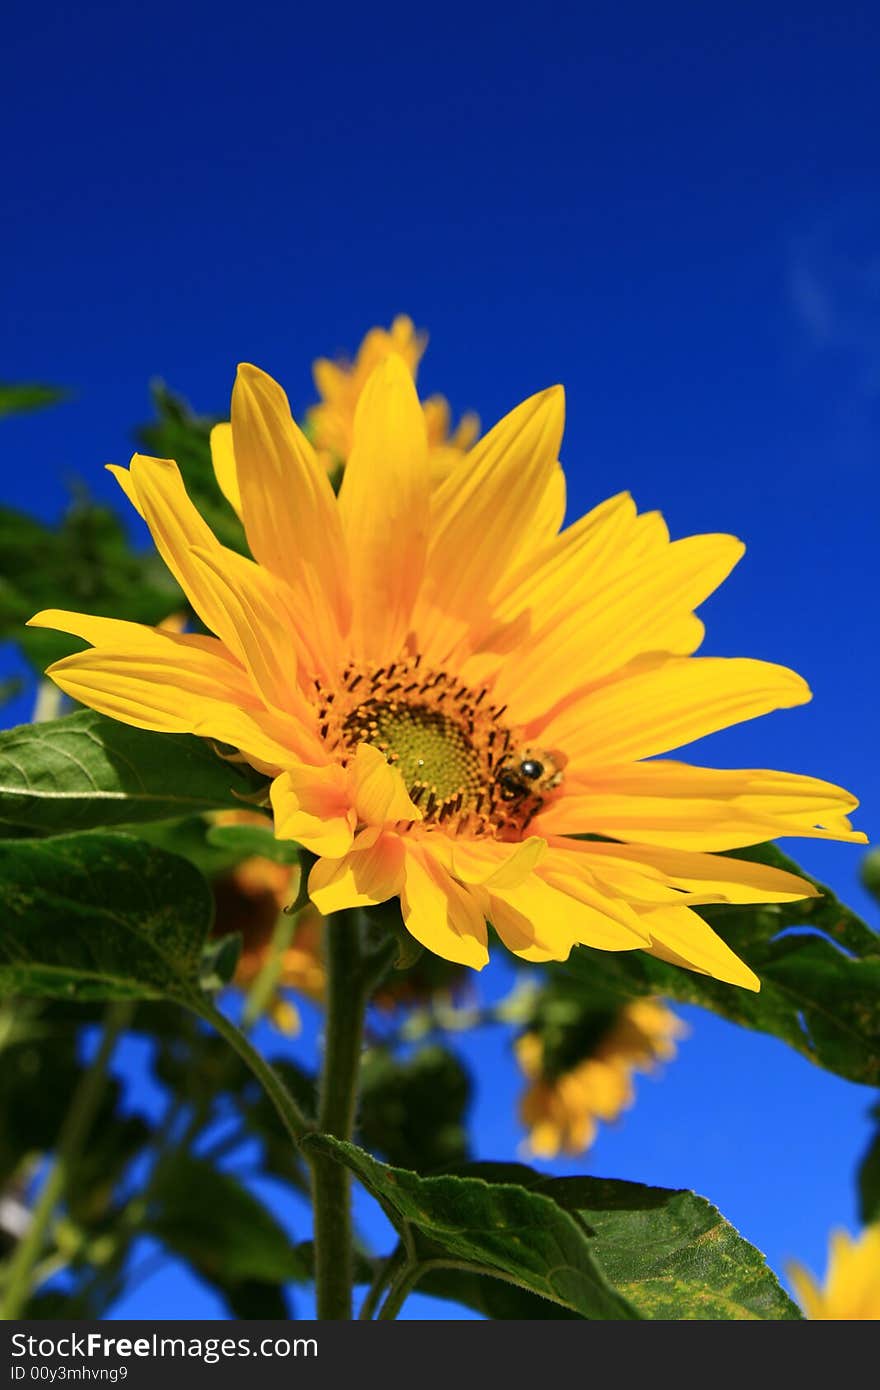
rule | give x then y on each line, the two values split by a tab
673	210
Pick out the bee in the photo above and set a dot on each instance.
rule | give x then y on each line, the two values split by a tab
530	772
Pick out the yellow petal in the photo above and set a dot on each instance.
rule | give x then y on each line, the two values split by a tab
546	521
569	868
290	513
383	503
726	880
494	863
807	1292
681	937
541	922
666	704
377	790
311	805
482	514
255	609
177	530
361	879
613	621
176	691
579	556
150	641
439	913
686	807
223	459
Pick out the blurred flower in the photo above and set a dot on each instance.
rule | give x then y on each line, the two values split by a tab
249	899
455	701
561	1112
852	1281
340	384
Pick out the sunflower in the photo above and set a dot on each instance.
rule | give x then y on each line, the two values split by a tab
330	424
446	690
852	1282
561	1112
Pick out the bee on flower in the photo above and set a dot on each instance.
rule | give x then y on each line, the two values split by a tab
561	1110
399	660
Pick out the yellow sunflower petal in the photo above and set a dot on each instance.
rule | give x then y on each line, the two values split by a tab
807	1292
290	513
383	502
482	513
173	693
546	520
361	878
255	610
577	557
378	793
495	863
311	805
726	880
617	620
666	705
545	922
439	913
687	807
223	459
572	872
681	937
178	530
116	632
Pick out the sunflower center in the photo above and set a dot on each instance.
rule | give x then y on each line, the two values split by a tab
430	750
461	764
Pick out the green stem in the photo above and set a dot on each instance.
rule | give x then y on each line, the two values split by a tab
74	1132
289	1112
383	1277
347	987
401	1286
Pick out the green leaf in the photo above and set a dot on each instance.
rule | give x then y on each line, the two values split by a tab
597	1247
86	770
671	1253
188	837
100	916
226	1233
242	841
413	1111
820	988
499	1227
21	398
493	1298
869	1177
178	433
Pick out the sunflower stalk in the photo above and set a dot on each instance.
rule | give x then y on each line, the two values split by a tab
352	972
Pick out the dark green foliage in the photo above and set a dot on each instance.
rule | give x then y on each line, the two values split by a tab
413	1111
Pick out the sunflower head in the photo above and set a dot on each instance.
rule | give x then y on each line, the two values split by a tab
458	703
562	1106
